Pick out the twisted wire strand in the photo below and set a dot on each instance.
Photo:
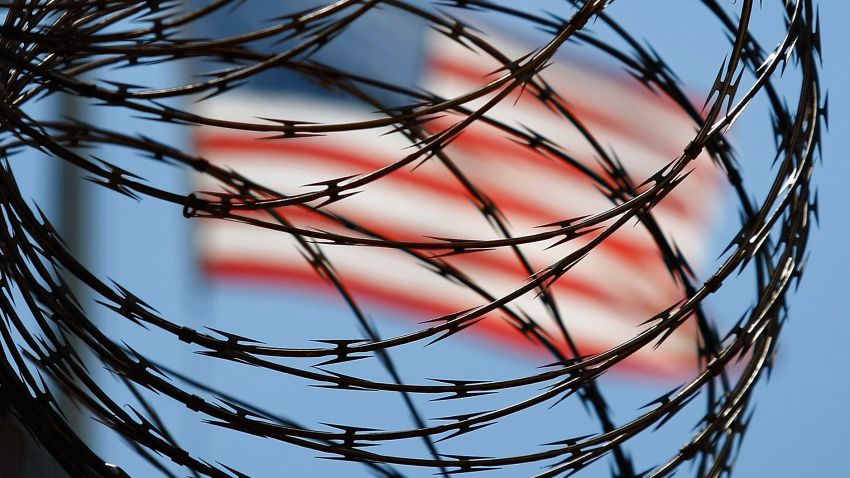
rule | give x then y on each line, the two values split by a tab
50	47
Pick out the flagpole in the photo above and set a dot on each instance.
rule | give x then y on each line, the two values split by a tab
20	455
23	457
70	196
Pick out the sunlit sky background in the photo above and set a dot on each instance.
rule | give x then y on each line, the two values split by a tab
801	419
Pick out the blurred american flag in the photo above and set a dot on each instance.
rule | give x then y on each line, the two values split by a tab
602	300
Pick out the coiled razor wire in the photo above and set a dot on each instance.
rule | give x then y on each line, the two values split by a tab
47	47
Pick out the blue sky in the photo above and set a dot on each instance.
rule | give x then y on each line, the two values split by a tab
800	422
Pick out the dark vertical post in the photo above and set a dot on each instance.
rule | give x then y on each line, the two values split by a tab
20	455
70	196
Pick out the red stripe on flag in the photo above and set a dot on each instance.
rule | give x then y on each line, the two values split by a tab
505	262
444	68
491	327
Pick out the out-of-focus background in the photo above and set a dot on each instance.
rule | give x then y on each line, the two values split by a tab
800	423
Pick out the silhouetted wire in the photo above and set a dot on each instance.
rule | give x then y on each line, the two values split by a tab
48	47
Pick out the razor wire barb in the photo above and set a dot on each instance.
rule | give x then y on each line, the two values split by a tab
48	47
